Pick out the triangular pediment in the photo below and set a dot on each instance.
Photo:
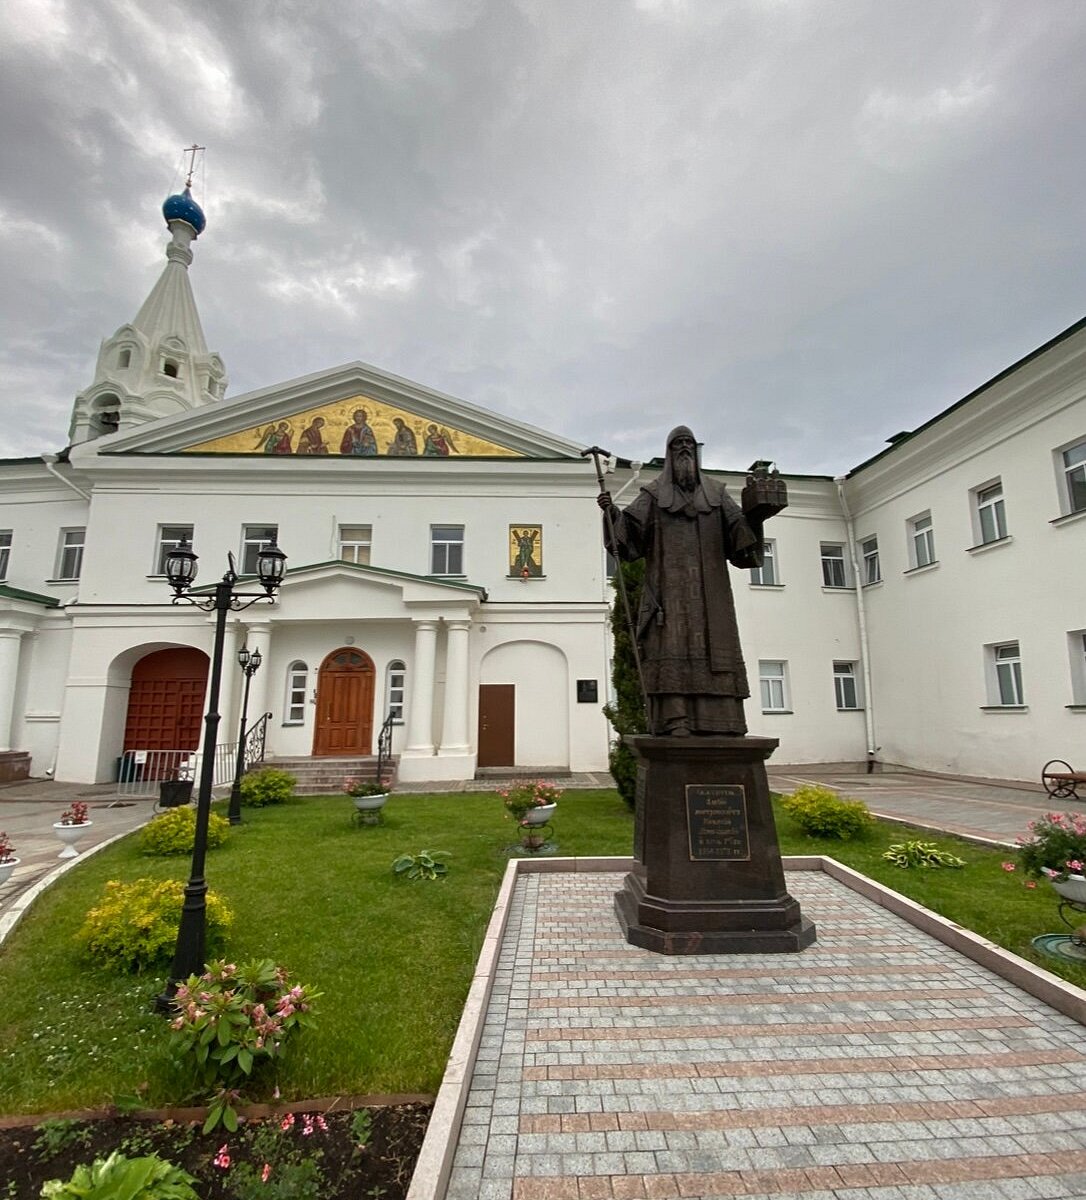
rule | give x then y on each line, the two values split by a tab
343	590
355	411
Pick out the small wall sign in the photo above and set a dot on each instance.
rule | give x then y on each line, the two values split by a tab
588	691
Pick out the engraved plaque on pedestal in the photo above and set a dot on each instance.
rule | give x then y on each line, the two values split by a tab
716	822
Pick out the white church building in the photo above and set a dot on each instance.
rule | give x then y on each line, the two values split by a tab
445	567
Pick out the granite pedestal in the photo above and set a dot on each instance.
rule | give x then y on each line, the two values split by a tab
708	878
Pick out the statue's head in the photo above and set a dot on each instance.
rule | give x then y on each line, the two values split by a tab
682	455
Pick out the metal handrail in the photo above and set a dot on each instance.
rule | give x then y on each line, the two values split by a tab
384	747
255	740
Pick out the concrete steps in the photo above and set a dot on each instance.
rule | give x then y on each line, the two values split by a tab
325	776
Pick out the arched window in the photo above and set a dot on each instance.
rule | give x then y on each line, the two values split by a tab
297	689
395	689
124	358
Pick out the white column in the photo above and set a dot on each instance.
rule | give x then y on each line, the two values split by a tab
228	685
9	677
420	714
259	638
454	731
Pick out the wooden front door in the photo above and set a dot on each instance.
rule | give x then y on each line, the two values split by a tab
344	704
497	726
166	700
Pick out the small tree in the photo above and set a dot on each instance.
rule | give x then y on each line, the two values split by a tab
627	714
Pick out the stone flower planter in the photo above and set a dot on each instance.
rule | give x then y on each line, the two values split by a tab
69	835
6	869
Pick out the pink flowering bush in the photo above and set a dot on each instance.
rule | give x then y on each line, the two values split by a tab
76	815
232	1021
1055	847
519	797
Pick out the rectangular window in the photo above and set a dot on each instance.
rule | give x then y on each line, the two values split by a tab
70	554
354	543
1008	674
254	539
869	548
1077	643
1074	475
773	681
991	518
169	538
5	553
921	541
766	574
446	549
844	685
833	565
297	685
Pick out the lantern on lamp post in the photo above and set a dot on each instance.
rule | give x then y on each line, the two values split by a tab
250	664
180	570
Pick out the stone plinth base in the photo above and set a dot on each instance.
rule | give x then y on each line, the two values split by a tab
708	878
14	765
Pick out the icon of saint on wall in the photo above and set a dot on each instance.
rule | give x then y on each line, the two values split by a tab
358	437
526	551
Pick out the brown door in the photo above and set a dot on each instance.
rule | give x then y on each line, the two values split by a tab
344	704
166	700
497	708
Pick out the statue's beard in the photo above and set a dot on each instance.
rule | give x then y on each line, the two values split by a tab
686	472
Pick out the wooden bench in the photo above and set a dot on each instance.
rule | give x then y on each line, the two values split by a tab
1060	780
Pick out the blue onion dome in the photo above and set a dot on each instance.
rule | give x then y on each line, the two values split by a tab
183	208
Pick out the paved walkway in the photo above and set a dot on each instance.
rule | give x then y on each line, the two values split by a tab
876	1065
988	809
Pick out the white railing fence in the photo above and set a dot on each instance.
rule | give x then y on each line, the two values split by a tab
139	772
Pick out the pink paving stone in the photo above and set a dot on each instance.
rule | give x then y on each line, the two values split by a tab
594	1187
628	1187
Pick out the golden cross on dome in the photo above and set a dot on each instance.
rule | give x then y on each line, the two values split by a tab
192	150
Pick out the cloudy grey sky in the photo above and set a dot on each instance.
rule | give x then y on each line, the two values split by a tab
798	226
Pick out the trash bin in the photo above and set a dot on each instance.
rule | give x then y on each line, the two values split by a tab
127	769
172	793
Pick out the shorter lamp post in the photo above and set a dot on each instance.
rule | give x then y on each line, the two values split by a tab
271	565
250	664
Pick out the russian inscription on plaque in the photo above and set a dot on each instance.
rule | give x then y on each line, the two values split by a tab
716	821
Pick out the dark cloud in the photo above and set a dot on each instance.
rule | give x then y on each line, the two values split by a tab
799	227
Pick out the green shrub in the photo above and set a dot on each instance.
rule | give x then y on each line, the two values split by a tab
135	924
627	713
267	786
921	854
117	1177
820	812
174	831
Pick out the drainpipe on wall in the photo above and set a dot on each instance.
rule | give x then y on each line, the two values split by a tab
49	459
861	618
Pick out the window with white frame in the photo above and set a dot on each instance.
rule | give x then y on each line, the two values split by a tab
844	685
70	553
773	684
255	538
297	693
989	514
869	550
1073	464
921	541
833	565
766	574
446	549
1077	645
169	538
1005	675
395	690
355	542
5	553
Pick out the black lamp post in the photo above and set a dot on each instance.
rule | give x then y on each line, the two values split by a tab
180	566
250	664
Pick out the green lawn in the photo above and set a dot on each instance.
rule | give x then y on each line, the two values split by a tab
394	959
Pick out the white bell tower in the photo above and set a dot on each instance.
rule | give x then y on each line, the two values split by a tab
159	364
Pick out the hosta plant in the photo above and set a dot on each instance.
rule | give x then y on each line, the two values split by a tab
921	854
233	1021
427	864
121	1178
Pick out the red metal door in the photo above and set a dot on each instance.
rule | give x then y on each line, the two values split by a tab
497	725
